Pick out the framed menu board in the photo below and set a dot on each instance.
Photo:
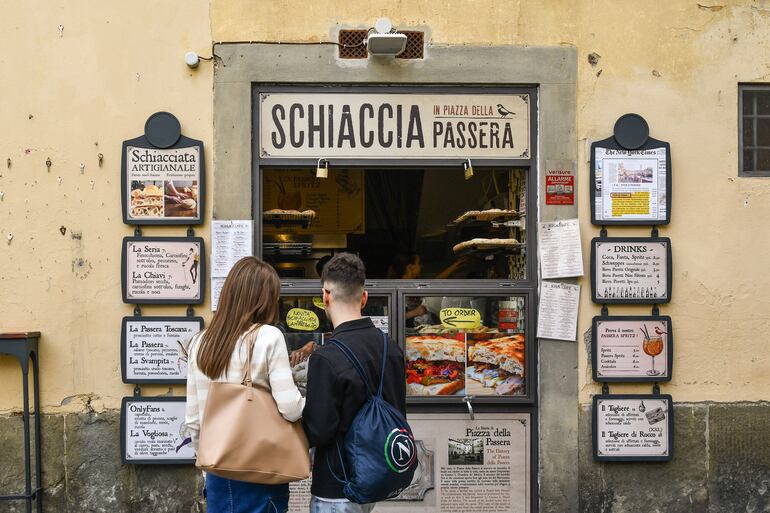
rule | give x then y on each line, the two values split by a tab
162	175
631	427
152	431
632	270
154	349
163	270
632	348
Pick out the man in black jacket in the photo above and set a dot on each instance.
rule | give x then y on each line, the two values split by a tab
335	392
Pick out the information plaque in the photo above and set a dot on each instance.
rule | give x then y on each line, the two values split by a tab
152	431
154	349
632	348
632	270
633	427
163	175
163	270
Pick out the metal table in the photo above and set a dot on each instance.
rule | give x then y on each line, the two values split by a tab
24	346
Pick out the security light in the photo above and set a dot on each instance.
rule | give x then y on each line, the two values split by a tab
383	40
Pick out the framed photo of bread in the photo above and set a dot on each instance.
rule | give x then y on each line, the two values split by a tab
162	176
631	270
163	270
633	427
632	348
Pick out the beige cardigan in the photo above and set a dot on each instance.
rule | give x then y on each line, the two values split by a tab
270	369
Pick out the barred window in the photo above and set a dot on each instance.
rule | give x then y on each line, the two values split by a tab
754	130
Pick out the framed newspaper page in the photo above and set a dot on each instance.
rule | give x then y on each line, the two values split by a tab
630	187
631	270
632	348
633	427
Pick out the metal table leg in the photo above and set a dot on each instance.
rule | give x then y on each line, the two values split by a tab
38	436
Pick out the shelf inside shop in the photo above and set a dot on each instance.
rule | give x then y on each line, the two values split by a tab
280	220
489	251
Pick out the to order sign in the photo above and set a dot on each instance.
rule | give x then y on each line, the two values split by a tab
633	270
391	125
301	319
153	431
633	427
460	318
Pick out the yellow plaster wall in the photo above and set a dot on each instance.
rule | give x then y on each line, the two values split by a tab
69	96
676	63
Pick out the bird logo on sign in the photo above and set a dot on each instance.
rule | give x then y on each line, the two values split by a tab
503	111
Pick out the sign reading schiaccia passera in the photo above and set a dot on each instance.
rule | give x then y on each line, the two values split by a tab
393	125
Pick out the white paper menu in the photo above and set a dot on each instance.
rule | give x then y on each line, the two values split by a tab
230	241
560	251
557	317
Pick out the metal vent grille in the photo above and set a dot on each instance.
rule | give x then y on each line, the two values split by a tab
352	44
414	45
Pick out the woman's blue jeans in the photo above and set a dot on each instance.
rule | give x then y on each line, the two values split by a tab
229	496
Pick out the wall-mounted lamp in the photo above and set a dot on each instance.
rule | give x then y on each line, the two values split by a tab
322	170
468	167
383	40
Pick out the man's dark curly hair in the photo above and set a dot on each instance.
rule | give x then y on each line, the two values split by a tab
344	276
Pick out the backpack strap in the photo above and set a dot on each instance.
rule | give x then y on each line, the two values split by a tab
384	362
355	362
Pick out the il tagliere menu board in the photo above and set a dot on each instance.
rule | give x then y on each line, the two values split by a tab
163	270
633	427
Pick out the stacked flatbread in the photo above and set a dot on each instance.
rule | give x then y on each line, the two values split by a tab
147	202
486	215
485	244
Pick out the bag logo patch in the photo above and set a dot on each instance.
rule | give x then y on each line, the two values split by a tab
400	451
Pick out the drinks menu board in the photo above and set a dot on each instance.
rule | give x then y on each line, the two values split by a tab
634	270
154	349
633	427
163	270
632	349
152	430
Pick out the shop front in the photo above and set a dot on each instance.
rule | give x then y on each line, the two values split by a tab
435	187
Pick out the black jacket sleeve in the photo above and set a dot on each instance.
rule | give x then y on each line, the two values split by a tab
321	416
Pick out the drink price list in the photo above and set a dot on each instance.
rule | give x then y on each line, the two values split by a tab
631	270
632	349
633	427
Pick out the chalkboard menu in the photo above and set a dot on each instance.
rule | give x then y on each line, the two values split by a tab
633	270
154	349
163	270
632	348
152	430
633	427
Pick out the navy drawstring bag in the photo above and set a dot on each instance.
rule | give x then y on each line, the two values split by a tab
378	454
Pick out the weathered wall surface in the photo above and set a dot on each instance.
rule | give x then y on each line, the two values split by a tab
72	93
80	77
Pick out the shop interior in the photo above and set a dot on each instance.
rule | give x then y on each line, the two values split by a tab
430	223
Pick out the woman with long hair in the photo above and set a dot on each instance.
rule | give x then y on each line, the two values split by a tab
248	304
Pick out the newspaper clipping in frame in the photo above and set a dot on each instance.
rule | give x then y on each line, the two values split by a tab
479	465
630	184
